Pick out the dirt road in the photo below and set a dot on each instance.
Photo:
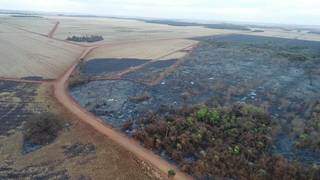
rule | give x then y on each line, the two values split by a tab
53	30
62	95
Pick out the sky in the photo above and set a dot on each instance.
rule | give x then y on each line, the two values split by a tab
303	12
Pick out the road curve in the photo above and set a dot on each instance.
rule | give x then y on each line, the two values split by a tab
63	96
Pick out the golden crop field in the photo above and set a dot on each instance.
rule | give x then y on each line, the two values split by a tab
36	24
124	30
121	30
162	50
24	54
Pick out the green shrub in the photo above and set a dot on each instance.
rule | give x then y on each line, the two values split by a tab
304	136
253	111
202	114
171	173
190	121
214	116
236	150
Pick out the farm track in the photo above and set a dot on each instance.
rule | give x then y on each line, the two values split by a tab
61	93
51	33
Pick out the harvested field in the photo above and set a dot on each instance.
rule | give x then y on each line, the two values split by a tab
154	49
25	54
40	25
124	30
280	76
79	152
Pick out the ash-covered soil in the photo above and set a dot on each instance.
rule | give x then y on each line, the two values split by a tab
104	66
15	104
150	71
279	75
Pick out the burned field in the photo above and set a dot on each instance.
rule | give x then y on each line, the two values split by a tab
98	67
19	111
278	79
17	104
40	140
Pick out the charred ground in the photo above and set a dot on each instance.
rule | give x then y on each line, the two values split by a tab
279	76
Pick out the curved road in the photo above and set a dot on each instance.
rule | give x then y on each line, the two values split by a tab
62	95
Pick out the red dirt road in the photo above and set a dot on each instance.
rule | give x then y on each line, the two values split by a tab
62	95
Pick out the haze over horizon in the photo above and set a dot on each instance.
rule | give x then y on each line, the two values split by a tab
258	11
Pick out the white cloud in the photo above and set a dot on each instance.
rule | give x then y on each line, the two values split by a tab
275	11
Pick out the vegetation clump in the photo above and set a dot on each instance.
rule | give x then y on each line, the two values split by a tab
42	129
309	137
171	173
229	142
86	38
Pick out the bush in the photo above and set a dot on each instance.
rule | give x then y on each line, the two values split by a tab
171	173
202	114
214	116
236	150
41	129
